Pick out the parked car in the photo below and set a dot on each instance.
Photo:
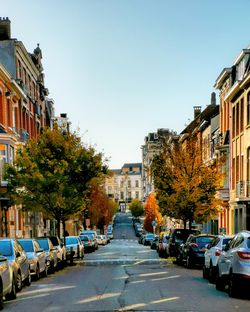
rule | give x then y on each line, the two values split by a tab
51	253
110	234
101	240
155	242
88	243
107	238
176	238
77	246
141	237
89	232
93	238
212	253
192	252
36	255
162	246
233	266
148	238
18	261
61	249
8	289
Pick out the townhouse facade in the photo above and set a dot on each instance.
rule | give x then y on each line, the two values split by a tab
233	84
25	110
151	147
125	184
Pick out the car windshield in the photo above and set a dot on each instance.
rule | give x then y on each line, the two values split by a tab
150	236
203	240
5	248
84	238
27	245
54	240
71	240
43	243
91	236
226	241
182	235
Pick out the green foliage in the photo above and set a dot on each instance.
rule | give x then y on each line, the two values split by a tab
52	174
136	208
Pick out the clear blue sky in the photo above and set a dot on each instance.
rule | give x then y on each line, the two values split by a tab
123	68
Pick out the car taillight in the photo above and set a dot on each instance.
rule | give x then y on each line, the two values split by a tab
244	255
195	245
217	253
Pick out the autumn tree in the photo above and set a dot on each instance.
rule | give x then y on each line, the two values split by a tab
100	207
52	174
136	208
186	185
152	213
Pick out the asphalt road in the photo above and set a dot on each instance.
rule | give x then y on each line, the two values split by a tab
125	276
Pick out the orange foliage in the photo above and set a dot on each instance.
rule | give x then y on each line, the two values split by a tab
152	213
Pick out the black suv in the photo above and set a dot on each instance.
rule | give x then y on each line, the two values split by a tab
178	237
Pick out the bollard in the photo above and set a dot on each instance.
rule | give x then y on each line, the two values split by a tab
71	256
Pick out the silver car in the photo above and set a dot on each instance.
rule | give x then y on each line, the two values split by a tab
8	288
36	256
18	261
211	256
233	266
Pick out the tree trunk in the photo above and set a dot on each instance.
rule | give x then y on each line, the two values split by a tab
190	224
58	228
185	224
64	231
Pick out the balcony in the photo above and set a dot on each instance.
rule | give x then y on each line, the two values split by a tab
243	189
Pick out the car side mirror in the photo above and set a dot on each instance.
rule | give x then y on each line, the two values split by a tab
18	254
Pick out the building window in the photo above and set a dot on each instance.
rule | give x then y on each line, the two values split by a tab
129	183
237	119
1	108
129	195
241	115
136	194
121	184
3	159
233	122
248	108
122	195
136	183
233	173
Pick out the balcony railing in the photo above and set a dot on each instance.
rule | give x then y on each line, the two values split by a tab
243	189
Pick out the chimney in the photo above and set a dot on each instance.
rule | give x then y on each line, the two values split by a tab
197	111
213	98
4	28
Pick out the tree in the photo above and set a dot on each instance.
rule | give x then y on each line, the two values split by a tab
186	185
151	212
100	207
52	174
136	208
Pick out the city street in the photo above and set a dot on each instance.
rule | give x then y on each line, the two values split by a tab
124	276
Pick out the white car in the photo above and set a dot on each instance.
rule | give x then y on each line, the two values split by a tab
101	240
234	265
212	253
74	243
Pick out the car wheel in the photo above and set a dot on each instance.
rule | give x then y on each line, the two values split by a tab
232	287
12	294
37	275
189	263
45	272
28	279
219	282
179	259
204	272
211	274
19	281
1	296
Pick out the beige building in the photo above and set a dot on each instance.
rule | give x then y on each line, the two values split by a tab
125	184
234	86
